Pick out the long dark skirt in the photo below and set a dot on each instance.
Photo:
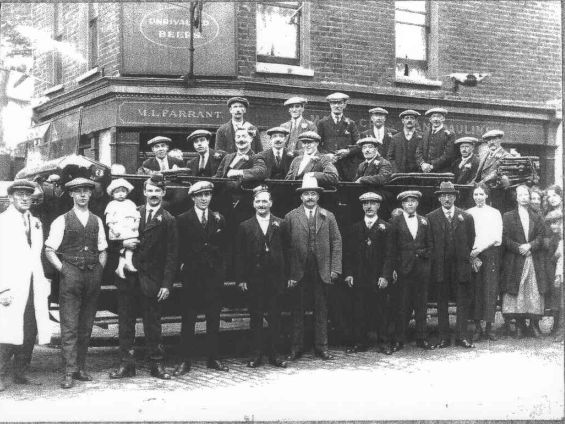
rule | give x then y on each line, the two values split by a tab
486	285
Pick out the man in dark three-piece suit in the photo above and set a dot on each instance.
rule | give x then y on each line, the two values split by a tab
208	160
260	270
465	168
243	165
201	255
311	162
453	233
364	260
314	263
297	124
278	158
401	151
374	170
225	136
378	129
162	160
338	137
409	247
155	258
435	152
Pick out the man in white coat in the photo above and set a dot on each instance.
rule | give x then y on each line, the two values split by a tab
24	313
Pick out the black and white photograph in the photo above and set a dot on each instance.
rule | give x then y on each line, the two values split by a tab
281	211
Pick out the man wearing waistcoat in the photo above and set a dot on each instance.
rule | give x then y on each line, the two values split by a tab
402	148
378	129
297	124
435	152
76	247
155	258
278	158
374	170
453	234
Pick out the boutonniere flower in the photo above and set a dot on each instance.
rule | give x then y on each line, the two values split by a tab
347	132
276	225
159	218
368	241
460	217
315	159
218	155
216	215
423	221
347	121
382	227
290	154
467	166
304	125
245	157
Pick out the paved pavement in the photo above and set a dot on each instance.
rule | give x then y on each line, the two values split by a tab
507	379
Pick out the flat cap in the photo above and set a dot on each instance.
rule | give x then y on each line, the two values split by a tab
378	110
493	134
436	110
21	185
409	193
370	197
157	180
197	134
309	184
308	136
296	100
370	140
277	130
241	100
159	139
78	183
409	112
119	182
260	189
469	140
337	97
446	188
200	187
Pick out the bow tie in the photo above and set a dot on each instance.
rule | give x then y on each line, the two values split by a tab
412	215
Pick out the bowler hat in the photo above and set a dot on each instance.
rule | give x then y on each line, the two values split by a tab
78	183
241	100
309	184
197	134
159	139
371	197
21	185
446	187
409	193
200	187
296	100
277	130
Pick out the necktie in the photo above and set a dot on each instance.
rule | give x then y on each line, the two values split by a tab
310	216
149	217
162	165
278	159
365	167
448	216
412	215
204	220
201	165
27	226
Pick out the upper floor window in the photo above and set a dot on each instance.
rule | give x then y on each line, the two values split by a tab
412	20
279	32
92	35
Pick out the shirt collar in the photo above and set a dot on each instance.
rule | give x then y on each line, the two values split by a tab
199	212
438	129
409	134
275	151
260	218
451	211
307	211
243	154
152	208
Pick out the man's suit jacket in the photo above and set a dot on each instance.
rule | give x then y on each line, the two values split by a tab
402	153
157	253
377	173
260	258
225	138
214	160
323	169
344	135
366	252
274	172
488	166
388	134
151	165
467	174
512	237
328	243
254	168
201	249
303	126
404	252
436	149
464	239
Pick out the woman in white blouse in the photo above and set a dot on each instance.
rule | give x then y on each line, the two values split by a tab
486	257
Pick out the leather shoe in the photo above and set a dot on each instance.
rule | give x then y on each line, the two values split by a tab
385	349
22	379
123	371
294	356
356	349
216	365
324	354
255	362
443	343
464	343
396	346
82	375
278	362
424	344
158	371
68	381
182	369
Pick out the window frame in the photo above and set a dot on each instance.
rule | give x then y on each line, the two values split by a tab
92	36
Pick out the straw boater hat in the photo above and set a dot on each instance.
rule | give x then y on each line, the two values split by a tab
409	112
119	182
370	197
277	130
309	184
337	97
493	134
197	134
200	187
439	110
468	140
21	185
159	139
79	183
241	100
409	193
446	188
296	100
368	140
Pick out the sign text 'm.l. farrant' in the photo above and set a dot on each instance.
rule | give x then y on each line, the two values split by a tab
170	113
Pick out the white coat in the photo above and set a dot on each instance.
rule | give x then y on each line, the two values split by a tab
18	263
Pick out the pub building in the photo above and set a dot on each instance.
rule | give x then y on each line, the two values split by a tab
128	80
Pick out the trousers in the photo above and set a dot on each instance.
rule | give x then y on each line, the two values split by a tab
264	299
463	296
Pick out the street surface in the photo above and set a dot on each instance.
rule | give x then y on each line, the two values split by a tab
508	379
